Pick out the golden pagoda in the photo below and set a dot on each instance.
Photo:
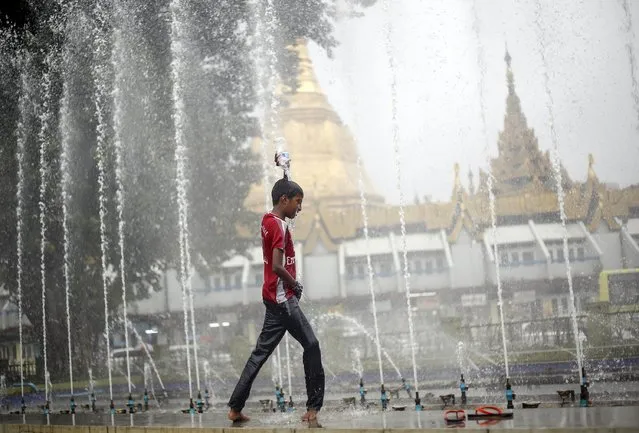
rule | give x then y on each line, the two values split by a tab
323	151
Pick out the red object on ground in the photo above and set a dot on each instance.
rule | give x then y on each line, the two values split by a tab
455	415
488	410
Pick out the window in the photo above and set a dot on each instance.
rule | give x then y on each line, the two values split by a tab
564	305
581	254
429	267
528	257
238	280
440	264
419	267
217	283
360	270
349	271
227	281
551	253
571	254
515	258
504	258
258	280
560	256
555	306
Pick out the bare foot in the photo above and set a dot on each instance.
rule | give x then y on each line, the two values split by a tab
237	416
310	415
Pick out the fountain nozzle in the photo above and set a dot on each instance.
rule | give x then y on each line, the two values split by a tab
584	394
510	395
463	388
418	402
384	398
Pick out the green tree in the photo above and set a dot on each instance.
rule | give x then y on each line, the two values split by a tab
68	40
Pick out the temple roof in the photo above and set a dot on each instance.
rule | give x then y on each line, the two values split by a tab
520	164
324	161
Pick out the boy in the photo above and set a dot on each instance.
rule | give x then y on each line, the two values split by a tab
281	293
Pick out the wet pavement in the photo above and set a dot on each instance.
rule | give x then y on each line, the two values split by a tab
597	417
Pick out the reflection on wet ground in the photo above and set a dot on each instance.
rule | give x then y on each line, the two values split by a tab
623	416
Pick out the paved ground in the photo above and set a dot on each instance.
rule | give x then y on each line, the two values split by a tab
626	416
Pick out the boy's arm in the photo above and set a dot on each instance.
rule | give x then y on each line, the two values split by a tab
279	270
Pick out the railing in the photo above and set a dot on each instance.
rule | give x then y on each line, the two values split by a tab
12	372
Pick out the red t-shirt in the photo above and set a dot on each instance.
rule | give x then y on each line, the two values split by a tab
275	234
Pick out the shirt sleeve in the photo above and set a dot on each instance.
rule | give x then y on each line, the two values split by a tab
276	233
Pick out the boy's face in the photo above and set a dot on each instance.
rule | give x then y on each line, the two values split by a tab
291	206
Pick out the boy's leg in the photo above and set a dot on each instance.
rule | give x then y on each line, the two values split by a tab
301	330
272	332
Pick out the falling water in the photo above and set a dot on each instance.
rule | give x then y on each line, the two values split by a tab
365	331
398	178
118	120
48	394
208	382
274	369
460	356
369	264
101	71
491	194
148	382
263	57
91	386
43	142
357	363
23	104
3	389
630	48
288	365
279	366
179	121
556	166
148	354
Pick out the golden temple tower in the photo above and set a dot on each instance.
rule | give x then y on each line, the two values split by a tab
323	152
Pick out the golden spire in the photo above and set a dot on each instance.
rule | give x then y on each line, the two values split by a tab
323	151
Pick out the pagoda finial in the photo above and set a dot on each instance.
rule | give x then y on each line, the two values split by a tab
509	73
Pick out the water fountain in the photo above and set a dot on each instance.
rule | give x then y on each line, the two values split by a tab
118	58
353	321
489	184
179	119
3	392
24	107
102	98
398	179
358	369
556	166
45	120
110	61
209	390
91	391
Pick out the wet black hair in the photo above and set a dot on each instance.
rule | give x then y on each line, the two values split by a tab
285	187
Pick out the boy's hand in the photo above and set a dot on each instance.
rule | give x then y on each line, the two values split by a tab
298	289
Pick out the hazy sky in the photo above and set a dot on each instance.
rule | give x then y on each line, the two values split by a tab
435	50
